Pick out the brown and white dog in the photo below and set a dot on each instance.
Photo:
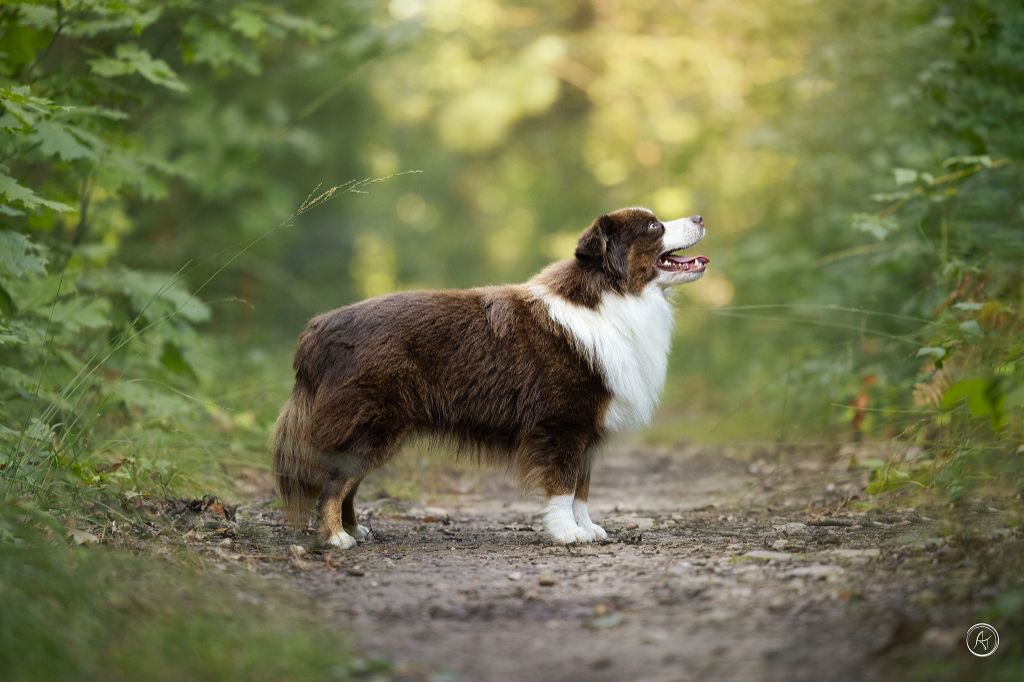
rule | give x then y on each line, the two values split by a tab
532	375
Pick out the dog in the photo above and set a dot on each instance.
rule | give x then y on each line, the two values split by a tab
531	375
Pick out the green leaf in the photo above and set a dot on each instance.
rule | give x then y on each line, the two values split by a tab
304	26
159	295
16	379
886	478
63	141
150	397
1015	398
983	160
29	387
135	170
123	17
877	226
10	189
971	328
217	49
870	463
20	256
904	176
173	358
984	396
99	112
7	307
889	197
73	316
40	16
247	22
22	105
129	58
934	351
36	294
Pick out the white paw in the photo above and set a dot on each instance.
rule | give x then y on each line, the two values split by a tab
587	533
566	534
560	523
582	516
342	540
358	531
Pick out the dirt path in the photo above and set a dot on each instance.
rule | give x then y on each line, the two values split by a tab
718	567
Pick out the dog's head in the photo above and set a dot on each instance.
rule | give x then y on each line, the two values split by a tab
632	248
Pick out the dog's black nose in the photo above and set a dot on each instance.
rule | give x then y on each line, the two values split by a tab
699	220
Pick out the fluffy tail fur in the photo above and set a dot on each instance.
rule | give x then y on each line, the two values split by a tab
297	466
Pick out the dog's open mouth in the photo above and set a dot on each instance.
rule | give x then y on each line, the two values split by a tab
673	262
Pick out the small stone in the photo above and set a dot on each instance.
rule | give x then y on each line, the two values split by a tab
768	556
546	579
81	537
609	620
796	528
297	551
815	571
871	553
226	555
941	639
429	514
514	575
655	637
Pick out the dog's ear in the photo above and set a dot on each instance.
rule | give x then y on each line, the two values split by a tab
615	264
593	242
598	247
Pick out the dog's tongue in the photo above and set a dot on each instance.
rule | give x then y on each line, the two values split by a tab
681	260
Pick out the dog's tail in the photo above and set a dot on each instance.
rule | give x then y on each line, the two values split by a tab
297	466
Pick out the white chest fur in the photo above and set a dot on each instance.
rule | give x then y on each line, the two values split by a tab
627	340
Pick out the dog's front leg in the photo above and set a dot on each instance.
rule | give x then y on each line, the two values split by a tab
560	523
580	511
555	458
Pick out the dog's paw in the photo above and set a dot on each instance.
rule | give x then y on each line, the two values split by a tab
342	540
587	532
568	534
560	524
582	517
358	531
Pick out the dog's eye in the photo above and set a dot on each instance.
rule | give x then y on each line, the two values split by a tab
653	226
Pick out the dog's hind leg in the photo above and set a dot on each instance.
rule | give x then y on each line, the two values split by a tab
372	435
579	503
332	500
348	515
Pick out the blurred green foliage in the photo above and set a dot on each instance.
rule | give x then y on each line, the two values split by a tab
78	613
858	168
